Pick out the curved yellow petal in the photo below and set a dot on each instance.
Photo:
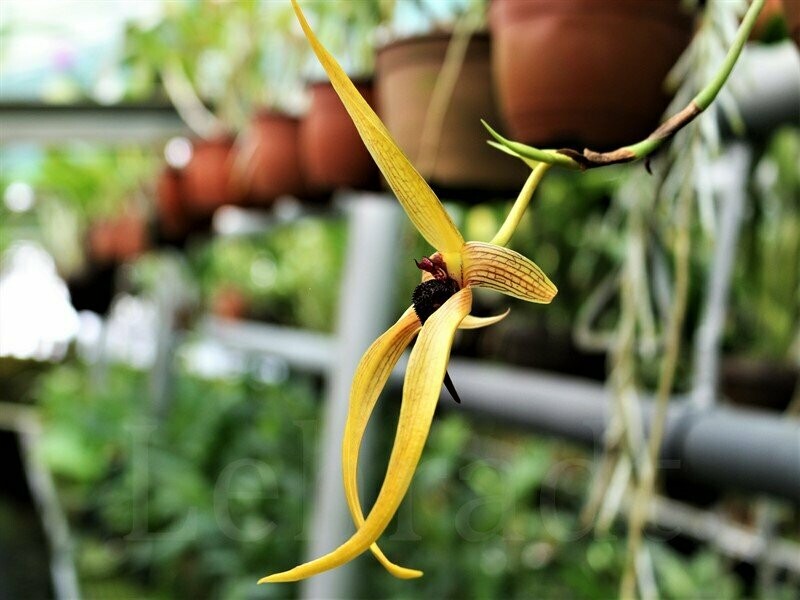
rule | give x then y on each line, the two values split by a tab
471	322
497	268
423	382
374	369
418	200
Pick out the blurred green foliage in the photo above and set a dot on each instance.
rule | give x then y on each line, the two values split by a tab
235	56
95	182
202	497
72	186
765	316
194	500
288	275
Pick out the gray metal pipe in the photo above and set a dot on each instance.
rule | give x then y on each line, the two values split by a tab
719	447
740	449
716	446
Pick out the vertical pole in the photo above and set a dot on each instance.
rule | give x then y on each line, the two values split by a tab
365	310
166	298
734	169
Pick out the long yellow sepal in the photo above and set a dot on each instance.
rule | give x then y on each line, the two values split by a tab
498	268
415	195
424	376
371	375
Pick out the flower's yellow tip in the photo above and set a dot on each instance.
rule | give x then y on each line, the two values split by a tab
287	577
403	573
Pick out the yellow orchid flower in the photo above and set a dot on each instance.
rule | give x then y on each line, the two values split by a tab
441	304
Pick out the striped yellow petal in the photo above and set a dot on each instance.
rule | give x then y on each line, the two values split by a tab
423	382
418	200
373	371
471	322
498	268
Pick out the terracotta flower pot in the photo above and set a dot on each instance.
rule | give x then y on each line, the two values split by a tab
460	163
332	152
582	72
117	239
791	9
207	178
101	241
229	303
131	236
268	163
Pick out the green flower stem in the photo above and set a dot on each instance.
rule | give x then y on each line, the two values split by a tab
511	223
589	159
707	95
529	154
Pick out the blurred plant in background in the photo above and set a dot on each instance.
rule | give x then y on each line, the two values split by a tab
186	502
216	56
289	275
766	299
189	502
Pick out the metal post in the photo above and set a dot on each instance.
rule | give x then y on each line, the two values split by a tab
365	310
732	173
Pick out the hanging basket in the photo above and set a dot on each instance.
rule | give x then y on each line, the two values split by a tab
206	179
458	162
268	159
332	152
584	73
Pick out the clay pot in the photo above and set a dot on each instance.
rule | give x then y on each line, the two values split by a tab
791	9
101	241
229	303
117	239
460	163
585	73
207	178
332	152
131	236
268	164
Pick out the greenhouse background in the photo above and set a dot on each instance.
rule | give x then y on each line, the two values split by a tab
196	249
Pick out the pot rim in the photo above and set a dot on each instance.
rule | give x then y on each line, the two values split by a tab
433	36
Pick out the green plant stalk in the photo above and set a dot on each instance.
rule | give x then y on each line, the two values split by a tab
529	154
625	440
514	217
638	514
588	159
